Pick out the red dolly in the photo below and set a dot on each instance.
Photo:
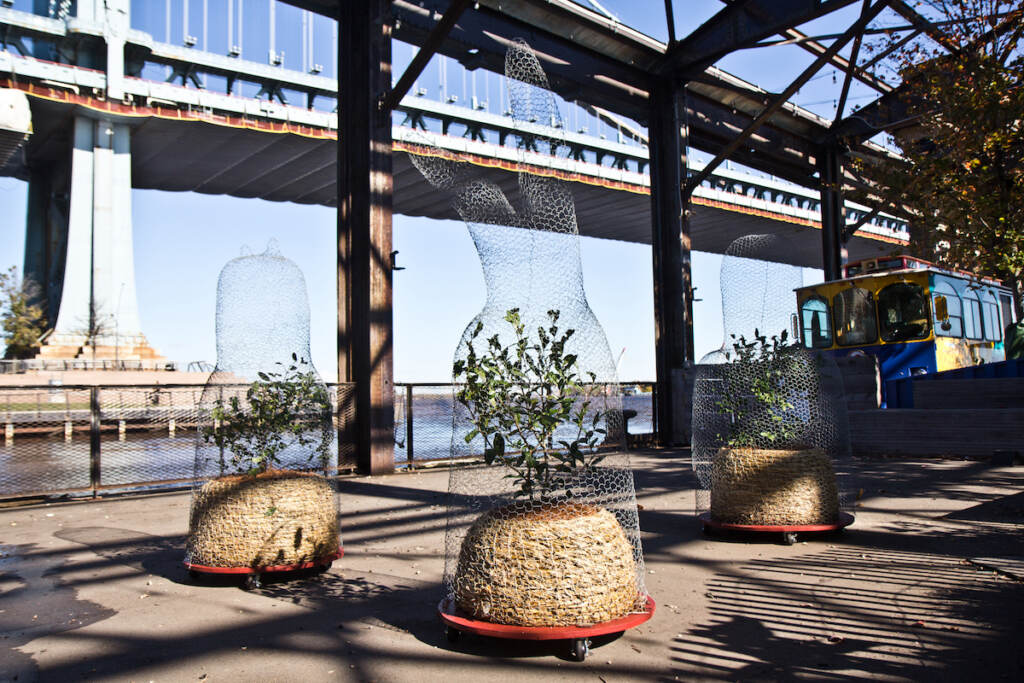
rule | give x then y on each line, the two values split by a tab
789	531
253	574
457	623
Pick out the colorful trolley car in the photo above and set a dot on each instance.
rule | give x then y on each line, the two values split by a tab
913	315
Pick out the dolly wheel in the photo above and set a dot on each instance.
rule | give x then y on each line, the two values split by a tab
580	649
252	582
789	537
452	634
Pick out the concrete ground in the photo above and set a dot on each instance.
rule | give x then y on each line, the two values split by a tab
96	590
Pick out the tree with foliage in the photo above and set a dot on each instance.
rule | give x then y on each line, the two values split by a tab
756	394
23	322
284	409
963	170
98	325
522	398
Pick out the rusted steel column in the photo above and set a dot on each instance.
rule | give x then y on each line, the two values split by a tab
673	291
830	172
95	463
364	229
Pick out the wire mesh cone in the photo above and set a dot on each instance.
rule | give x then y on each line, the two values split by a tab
769	417
568	552
265	442
272	519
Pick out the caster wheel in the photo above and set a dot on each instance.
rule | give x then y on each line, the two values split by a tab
252	582
321	568
789	537
452	635
194	576
580	649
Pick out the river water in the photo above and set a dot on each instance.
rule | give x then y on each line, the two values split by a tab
50	463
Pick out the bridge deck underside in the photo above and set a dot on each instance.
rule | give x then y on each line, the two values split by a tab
177	155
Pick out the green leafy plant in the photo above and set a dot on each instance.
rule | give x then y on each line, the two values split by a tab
754	392
280	409
519	396
22	322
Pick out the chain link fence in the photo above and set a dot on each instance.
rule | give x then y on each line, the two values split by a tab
81	440
77	440
428	409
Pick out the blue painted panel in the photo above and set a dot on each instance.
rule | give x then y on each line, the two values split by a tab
897	362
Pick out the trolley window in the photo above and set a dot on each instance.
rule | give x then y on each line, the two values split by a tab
1006	303
817	330
903	312
949	311
972	314
854	312
990	317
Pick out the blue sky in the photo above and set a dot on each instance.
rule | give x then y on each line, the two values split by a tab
183	239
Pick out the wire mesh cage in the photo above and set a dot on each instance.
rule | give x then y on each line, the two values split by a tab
546	533
769	416
264	448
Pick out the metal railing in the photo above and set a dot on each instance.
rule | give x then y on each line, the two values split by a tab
424	413
16	367
82	440
78	440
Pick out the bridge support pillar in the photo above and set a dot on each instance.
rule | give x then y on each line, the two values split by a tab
96	312
46	233
673	290
364	230
832	218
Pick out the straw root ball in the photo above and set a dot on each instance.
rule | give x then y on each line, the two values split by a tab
767	487
276	518
553	564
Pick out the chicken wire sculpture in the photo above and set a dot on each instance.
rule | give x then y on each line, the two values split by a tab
547	535
769	417
262	497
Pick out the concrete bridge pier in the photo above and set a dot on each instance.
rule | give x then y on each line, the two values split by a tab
79	243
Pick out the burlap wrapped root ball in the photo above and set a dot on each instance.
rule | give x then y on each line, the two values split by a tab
275	518
563	564
767	487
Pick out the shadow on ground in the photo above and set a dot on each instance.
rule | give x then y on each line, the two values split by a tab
866	609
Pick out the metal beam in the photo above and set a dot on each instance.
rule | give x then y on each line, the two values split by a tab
829	170
484	34
847	66
591	59
670	22
889	50
673	291
892	109
927	27
887	112
783	97
364	232
850	229
424	54
854	53
739	25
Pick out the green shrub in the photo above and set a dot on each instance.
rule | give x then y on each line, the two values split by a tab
519	395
